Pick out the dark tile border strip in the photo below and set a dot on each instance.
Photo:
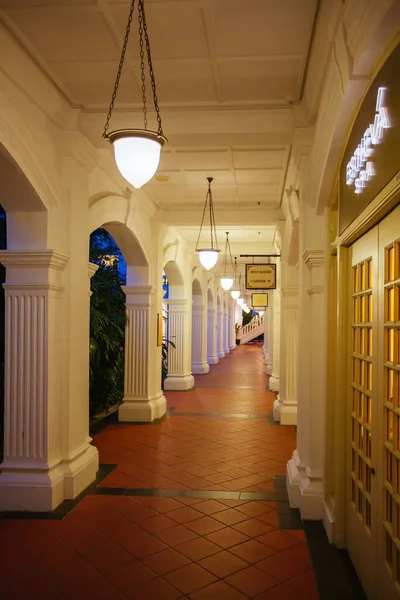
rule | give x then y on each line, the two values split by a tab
333	569
112	419
65	507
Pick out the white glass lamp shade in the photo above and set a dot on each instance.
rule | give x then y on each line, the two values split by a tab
246	310
227	283
137	154
208	258
235	294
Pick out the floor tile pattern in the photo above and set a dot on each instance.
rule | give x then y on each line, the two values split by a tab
224	545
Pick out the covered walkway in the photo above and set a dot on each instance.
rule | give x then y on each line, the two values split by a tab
192	507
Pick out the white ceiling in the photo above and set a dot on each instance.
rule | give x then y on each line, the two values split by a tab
228	73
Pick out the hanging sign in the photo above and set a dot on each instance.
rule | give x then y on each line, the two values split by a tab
261	277
259	300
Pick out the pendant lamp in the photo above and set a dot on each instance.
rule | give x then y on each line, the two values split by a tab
137	151
227	282
235	293
208	256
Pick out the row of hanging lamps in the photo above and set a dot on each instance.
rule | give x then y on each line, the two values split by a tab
235	293
137	151
227	282
208	256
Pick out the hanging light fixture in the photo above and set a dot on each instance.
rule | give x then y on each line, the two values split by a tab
208	256
227	282
235	293
137	151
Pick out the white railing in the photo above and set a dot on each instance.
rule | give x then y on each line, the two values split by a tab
251	330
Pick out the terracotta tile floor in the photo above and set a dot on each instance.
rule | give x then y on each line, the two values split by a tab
117	546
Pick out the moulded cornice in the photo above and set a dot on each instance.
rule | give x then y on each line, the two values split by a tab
290	291
314	258
17	259
138	290
78	147
34	287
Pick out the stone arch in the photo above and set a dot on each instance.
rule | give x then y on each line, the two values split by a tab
18	141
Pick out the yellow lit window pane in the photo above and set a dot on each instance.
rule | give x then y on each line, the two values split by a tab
356	370
363	281
363	343
356	340
389	426
390	264
361	432
390	345
389	507
356	310
369	410
370	273
356	287
355	400
390	313
353	431
389	385
369	377
370	342
361	407
363	310
369	319
362	373
389	466
368	444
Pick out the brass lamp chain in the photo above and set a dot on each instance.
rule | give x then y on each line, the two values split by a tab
144	42
227	248
234	273
213	232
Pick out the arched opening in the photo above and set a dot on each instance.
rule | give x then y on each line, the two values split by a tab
107	323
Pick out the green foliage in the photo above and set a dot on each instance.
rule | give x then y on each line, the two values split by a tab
247	317
164	354
107	328
238	327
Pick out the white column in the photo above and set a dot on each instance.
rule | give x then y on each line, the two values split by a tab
32	473
220	331
226	329
285	407
143	398
179	358
305	471
212	357
274	379
269	320
199	358
232	331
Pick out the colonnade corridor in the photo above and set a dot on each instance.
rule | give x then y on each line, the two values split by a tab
193	507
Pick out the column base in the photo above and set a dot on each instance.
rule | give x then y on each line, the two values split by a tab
226	351
221	354
269	369
39	490
212	360
276	410
179	382
289	414
305	493
232	347
200	368
139	410
274	383
80	471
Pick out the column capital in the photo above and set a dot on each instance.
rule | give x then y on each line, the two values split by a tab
138	296
36	259
314	257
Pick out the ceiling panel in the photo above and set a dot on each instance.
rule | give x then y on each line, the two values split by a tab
67	34
262	27
259	159
208	159
185	82
258	176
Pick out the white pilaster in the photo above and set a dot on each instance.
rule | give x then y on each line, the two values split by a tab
179	358
305	470
199	359
33	473
269	320
212	358
232	332
226	329
220	330
143	398
285	408
274	379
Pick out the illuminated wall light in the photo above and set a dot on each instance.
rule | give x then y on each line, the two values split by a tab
360	170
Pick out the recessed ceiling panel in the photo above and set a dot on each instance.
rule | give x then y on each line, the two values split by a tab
245	176
67	34
204	160
259	159
184	82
